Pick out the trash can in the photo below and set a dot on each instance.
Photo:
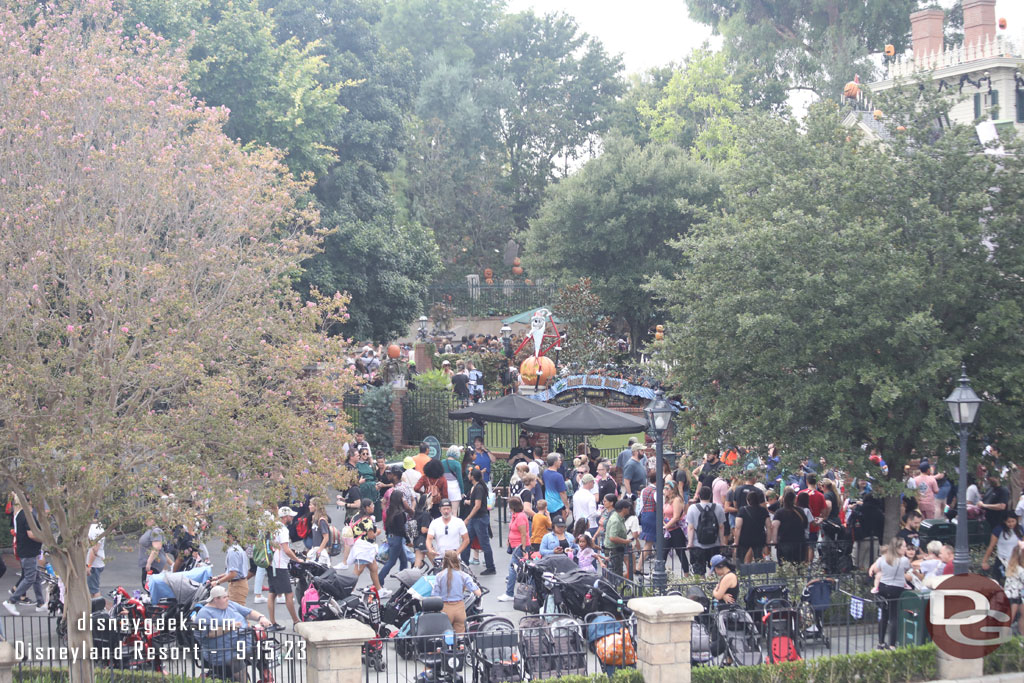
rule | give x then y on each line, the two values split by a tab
941	530
913	615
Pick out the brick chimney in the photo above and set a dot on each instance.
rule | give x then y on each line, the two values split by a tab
979	22
926	32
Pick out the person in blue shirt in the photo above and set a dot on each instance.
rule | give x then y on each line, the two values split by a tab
451	586
558	541
220	627
554	487
482	459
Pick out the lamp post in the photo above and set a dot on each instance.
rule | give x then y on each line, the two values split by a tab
963	406
506	340
423	328
659	414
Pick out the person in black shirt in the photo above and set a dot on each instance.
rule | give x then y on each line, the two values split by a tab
911	531
478	521
752	523
460	384
521	453
27	549
394	528
996	501
605	482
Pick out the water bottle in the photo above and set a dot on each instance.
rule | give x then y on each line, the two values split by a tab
449	638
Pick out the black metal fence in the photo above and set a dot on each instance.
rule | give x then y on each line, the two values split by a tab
425	413
490	300
496	650
44	654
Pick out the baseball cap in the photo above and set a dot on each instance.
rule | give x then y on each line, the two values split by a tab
717	560
286	511
638	447
445	503
217	592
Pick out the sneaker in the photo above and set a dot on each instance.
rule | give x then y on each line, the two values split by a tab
474	561
276	627
42	608
280	599
488	572
341	565
260	598
384	593
505	598
9	606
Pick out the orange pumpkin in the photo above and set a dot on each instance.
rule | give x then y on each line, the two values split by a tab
518	270
488	273
659	328
851	90
517	261
878	114
659	335
532	367
1002	23
528	281
489	281
394	351
901	129
890	50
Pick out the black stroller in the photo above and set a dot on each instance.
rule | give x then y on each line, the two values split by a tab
402	604
758	597
493	649
552	645
815	599
705	644
741	635
836	548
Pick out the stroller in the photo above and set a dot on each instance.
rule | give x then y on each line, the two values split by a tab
176	595
611	640
532	575
815	599
402	604
758	597
782	631
552	645
836	548
435	646
705	644
493	649
572	591
741	635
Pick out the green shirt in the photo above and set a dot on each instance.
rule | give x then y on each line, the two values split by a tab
615	526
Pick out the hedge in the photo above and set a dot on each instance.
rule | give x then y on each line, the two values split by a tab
100	675
620	676
1009	658
883	666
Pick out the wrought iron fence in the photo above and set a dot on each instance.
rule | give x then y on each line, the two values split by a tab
425	413
496	649
490	300
44	654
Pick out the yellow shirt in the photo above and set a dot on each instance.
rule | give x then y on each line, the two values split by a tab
541	526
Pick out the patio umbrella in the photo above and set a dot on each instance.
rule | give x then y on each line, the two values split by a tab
586	418
512	408
524	317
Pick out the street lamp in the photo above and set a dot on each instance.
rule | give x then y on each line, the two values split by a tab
659	414
423	327
506	340
963	406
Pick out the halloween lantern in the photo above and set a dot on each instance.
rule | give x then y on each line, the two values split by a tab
890	50
488	273
852	90
536	367
878	114
1002	23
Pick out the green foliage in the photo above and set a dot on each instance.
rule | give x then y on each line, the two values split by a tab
377	419
803	44
1008	658
620	676
902	665
491	364
501	472
587	342
433	380
807	313
615	217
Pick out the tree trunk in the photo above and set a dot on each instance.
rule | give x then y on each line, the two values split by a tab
70	567
892	517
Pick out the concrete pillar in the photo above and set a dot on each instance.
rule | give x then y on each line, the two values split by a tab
953	668
7	662
926	33
334	650
663	637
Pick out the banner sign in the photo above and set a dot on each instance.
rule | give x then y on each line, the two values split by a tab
591	383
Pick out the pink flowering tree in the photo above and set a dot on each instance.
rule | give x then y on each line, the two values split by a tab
149	334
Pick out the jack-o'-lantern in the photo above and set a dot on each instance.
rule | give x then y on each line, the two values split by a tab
851	90
890	50
534	366
518	270
517	261
1002	23
528	281
488	273
878	114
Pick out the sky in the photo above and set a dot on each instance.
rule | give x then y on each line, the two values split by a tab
655	32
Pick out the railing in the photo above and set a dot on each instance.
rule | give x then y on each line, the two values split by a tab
425	413
496	649
1000	46
490	300
41	646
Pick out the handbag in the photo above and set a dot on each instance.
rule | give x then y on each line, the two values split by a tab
525	599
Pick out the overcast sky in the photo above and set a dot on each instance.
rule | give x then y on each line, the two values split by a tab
654	32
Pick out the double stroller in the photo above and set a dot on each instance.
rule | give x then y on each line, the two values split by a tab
723	634
552	645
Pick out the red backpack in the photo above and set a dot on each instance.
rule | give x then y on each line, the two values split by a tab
302	527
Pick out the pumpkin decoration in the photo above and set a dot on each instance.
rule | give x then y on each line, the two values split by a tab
528	281
489	281
659	328
902	129
536	367
518	270
890	50
659	335
852	89
878	114
394	351
1002	23
517	261
488	273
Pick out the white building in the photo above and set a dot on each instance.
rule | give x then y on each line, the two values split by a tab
988	69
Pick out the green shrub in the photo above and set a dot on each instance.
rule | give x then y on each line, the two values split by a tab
377	419
620	676
432	380
1008	658
883	666
501	472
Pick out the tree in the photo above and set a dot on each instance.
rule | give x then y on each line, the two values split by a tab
149	333
588	343
829	298
787	45
615	217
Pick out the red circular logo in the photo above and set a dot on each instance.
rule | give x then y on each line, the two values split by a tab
969	616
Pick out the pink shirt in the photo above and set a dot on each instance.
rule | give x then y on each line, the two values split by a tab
514	538
926	490
719	490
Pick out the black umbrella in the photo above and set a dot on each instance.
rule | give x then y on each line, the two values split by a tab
586	418
512	408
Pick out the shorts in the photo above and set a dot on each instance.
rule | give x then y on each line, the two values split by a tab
420	543
648	531
1015	601
362	563
279	581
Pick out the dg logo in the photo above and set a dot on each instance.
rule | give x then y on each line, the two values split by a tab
969	616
